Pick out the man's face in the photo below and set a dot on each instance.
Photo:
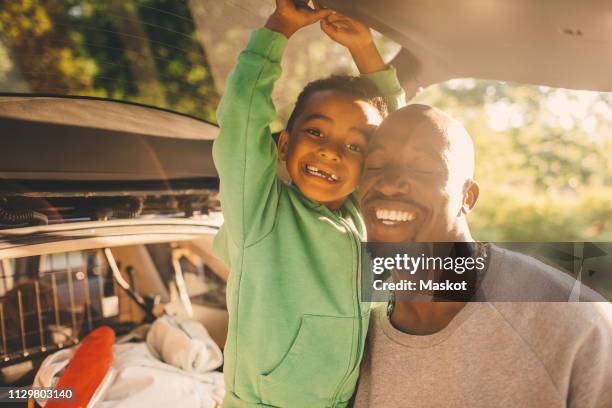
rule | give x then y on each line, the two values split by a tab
326	148
412	187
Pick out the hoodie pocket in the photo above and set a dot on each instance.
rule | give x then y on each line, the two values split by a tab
316	364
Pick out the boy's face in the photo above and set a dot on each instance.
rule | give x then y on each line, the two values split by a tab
326	148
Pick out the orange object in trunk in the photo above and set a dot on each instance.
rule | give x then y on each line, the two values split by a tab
87	369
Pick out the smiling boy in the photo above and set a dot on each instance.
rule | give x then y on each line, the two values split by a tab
296	328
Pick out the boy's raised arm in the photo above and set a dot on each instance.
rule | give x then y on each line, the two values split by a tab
244	153
357	37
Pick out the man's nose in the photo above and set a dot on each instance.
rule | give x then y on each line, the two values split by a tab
394	182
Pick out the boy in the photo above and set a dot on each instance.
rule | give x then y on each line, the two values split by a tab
296	327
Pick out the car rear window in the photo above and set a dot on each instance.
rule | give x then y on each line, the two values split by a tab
164	53
138	51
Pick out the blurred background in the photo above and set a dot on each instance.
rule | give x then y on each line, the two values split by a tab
543	154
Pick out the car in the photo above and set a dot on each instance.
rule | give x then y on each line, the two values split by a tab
123	221
109	199
108	208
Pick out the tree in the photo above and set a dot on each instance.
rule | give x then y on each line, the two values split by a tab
141	51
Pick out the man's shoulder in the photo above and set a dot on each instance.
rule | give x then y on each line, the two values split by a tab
532	297
555	331
517	277
548	320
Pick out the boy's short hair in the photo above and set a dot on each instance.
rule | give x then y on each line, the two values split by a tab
357	87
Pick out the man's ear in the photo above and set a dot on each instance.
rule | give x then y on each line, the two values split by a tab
283	145
470	197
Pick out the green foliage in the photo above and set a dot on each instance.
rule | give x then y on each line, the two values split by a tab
522	216
543	177
38	41
144	51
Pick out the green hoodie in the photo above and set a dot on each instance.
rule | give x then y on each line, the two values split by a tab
296	326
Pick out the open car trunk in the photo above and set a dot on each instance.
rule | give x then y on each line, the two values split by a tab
87	159
107	209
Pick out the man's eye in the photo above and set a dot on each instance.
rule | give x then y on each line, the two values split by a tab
373	166
355	148
421	170
314	132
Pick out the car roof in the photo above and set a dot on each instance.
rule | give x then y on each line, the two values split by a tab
557	43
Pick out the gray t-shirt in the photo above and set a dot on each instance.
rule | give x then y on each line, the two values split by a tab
495	354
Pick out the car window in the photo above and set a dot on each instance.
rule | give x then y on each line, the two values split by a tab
168	54
138	51
225	26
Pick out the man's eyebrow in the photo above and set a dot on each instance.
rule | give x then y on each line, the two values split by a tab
320	116
374	148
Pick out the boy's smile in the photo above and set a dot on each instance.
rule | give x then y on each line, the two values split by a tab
312	170
326	147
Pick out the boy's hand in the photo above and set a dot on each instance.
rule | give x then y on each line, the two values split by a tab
288	18
357	37
346	31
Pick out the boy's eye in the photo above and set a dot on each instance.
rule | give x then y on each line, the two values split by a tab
355	148
314	132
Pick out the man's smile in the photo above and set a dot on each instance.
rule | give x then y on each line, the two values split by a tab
391	213
392	217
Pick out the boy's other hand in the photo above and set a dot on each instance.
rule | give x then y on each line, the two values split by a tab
357	37
288	18
346	31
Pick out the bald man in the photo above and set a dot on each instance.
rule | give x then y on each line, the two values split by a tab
418	186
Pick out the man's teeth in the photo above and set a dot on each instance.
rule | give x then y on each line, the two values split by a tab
392	217
320	173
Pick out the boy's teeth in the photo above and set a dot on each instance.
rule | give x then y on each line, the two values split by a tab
391	217
319	173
